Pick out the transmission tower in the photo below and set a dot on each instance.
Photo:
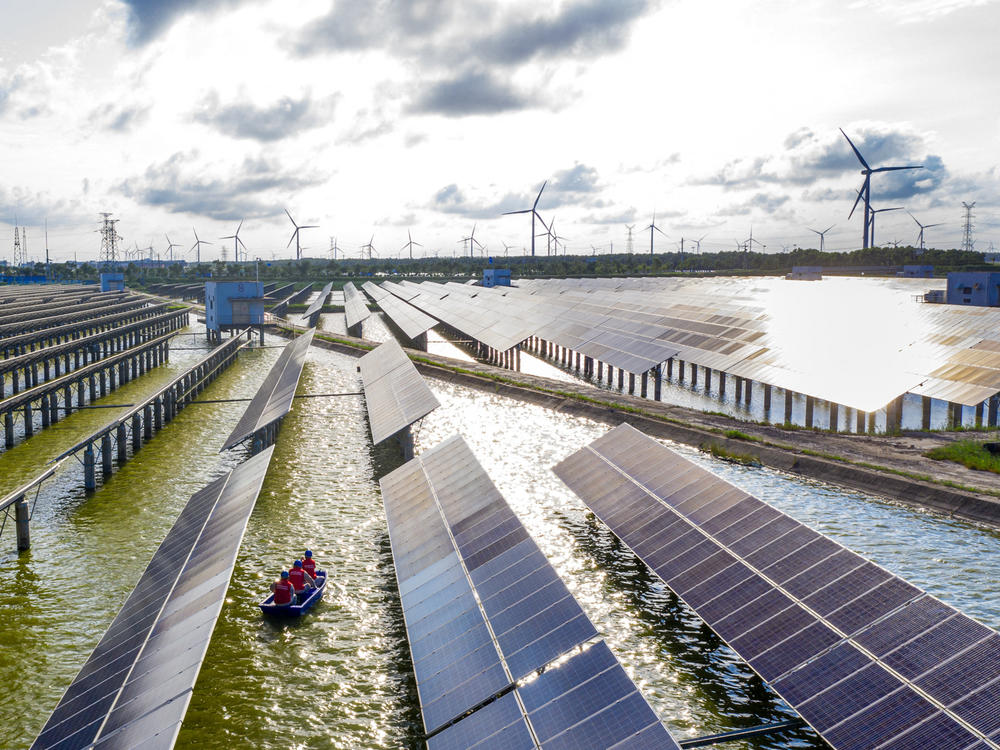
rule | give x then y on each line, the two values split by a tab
628	240
109	240
333	248
967	241
19	256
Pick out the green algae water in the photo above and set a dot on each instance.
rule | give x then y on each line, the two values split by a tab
341	678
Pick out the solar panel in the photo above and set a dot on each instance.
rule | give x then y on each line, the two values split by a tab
136	685
485	611
355	309
395	394
273	399
318	303
407	318
864	656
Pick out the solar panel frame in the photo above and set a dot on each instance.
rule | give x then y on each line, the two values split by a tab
396	395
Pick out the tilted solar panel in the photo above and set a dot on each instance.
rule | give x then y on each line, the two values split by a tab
865	657
273	399
395	394
135	687
485	611
355	309
318	303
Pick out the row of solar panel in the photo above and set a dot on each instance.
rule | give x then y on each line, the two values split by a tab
864	656
411	321
273	399
484	610
317	304
395	394
355	309
135	687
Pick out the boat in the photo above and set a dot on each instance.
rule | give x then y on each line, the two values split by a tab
268	607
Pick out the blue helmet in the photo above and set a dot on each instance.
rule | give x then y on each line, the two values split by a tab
297	564
284	574
309	553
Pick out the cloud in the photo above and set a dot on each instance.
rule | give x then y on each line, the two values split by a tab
620	216
470	93
147	19
808	158
281	119
120	119
35	208
253	189
575	186
474	32
758	203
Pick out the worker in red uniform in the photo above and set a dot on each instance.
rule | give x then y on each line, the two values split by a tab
284	592
309	564
300	580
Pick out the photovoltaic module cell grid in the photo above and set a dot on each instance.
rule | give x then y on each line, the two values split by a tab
485	610
866	658
395	394
273	399
355	309
407	318
135	687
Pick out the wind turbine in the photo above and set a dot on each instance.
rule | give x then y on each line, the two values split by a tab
651	227
697	243
920	237
878	211
471	239
410	244
866	191
295	235
235	237
822	236
197	245
369	247
557	239
533	213
170	247
333	247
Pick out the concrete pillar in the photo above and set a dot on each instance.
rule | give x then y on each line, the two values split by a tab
658	383
147	422
92	387
89	476
8	429
748	391
122	447
810	405
991	411
694	375
621	378
517	358
767	402
106	455
15	386
43	408
644	386
21	517
578	361
600	373
722	385
670	368
29	422
136	433
680	371
739	389
925	412
631	383
53	408
158	413
103	383
68	398
834	417
708	380
788	406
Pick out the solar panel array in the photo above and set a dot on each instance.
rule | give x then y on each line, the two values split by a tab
395	394
135	688
866	658
318	303
485	610
355	309
737	326
273	399
409	319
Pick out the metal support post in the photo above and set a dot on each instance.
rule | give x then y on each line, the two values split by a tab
767	402
89	477
8	429
147	422
694	375
29	422
122	447
21	517
106	455
658	383
643	389
136	433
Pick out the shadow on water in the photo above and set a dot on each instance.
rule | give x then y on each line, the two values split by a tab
722	683
409	722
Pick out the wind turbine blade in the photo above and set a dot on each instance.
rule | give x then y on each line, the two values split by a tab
856	152
856	201
416	243
539	196
660	231
240	226
896	169
290	218
829	228
310	226
525	211
928	226
915	219
814	230
291	238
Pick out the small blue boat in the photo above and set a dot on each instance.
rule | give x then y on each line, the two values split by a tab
268	607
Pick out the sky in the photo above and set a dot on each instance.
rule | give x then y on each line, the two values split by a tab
377	118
